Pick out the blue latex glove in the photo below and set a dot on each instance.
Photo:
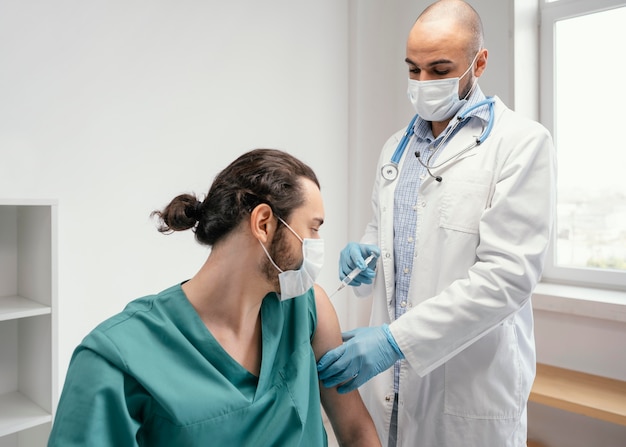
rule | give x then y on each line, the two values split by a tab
353	256
367	352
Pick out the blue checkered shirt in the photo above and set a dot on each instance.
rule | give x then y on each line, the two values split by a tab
406	202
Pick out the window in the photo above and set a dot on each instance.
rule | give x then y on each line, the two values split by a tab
583	99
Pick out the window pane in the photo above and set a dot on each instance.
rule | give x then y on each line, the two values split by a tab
590	102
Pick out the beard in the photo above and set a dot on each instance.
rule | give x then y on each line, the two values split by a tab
279	251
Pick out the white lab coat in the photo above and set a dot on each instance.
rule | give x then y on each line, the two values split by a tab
467	335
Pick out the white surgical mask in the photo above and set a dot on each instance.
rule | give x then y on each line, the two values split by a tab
437	100
294	283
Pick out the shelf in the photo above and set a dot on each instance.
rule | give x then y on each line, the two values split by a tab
18	413
581	393
12	307
28	285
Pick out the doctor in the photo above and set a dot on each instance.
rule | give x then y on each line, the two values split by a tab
461	224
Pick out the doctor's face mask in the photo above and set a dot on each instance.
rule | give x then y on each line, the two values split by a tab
438	100
294	283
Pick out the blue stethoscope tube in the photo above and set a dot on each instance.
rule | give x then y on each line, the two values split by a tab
389	171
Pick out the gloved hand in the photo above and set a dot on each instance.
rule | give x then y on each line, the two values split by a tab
367	352
353	256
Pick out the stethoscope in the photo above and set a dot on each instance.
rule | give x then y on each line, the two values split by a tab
389	171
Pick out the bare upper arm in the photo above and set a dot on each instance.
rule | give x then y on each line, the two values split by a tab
327	333
350	419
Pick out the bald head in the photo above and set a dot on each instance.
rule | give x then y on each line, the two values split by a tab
457	15
446	37
446	41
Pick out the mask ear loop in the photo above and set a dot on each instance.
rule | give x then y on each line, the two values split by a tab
471	65
290	229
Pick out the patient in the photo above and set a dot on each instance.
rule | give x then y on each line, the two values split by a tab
227	358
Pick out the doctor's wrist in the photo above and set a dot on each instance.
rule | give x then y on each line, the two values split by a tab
392	341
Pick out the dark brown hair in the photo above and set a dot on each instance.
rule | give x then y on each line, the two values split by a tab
260	176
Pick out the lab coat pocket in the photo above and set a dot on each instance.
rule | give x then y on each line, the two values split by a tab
484	380
463	201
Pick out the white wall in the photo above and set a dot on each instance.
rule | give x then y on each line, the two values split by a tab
115	107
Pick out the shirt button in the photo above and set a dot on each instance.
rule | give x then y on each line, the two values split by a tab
414	207
406	270
387	255
403	304
388	398
410	239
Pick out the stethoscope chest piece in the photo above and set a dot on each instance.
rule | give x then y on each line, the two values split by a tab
389	171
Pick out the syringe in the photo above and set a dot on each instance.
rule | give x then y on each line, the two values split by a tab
353	274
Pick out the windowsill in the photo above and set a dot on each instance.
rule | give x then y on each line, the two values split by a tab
581	301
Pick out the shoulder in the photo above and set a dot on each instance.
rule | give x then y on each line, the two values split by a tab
516	135
140	306
143	304
322	303
395	137
135	323
392	143
513	122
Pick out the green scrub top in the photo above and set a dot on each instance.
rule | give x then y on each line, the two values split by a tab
153	375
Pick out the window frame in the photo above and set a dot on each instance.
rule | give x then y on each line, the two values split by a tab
549	13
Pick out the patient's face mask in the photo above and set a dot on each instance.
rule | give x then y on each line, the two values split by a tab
437	100
294	283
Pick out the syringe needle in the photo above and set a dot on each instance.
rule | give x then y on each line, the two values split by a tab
353	274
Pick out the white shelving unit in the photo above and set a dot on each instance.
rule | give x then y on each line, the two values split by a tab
28	284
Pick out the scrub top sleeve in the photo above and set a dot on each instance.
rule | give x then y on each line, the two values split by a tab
93	409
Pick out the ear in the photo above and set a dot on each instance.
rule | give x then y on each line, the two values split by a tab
262	223
481	62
